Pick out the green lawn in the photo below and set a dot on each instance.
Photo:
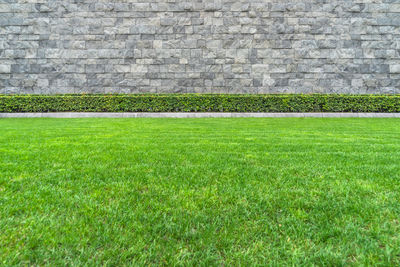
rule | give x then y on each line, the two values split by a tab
246	191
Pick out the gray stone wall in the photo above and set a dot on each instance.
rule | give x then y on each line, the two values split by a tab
200	46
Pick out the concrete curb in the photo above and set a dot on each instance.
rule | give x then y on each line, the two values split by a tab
195	115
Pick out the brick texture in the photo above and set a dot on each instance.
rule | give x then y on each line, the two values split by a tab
178	46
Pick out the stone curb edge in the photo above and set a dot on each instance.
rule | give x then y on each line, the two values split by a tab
194	115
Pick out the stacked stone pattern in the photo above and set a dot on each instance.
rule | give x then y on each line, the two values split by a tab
200	46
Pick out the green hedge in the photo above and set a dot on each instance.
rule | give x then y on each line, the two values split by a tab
200	103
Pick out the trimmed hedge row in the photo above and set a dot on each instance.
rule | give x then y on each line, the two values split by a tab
200	103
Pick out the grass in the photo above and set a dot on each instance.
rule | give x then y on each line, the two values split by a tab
114	192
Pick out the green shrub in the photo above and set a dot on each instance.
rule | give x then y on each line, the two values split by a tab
200	103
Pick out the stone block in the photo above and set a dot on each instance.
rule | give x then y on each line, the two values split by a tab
395	68
5	68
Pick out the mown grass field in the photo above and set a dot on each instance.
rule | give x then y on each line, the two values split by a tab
208	192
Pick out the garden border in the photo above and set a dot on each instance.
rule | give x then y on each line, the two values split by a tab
194	115
201	103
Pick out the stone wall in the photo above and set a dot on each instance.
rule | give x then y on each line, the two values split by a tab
199	46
